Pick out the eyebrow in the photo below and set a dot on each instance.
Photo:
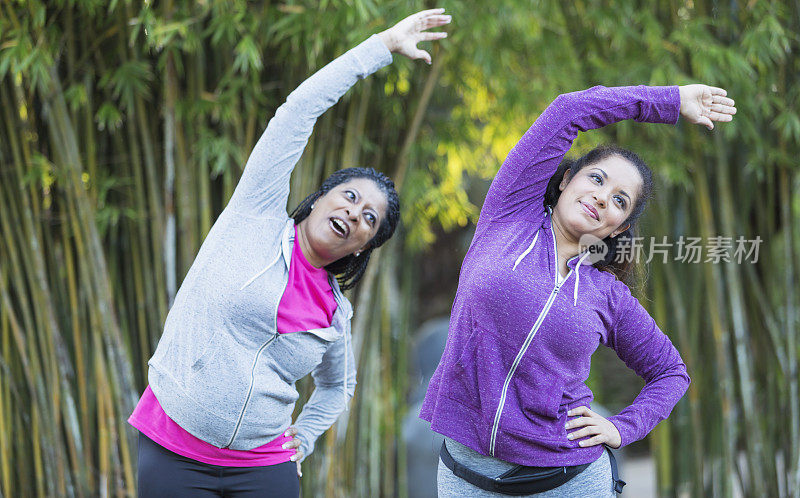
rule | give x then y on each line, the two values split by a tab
601	171
606	177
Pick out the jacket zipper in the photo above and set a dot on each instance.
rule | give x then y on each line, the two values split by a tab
518	359
249	390
524	348
258	353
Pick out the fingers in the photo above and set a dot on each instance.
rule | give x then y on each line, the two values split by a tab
591	426
723	109
435	21
298	455
594	441
299	471
294	443
717	91
429	36
421	54
595	430
579	422
725	101
581	410
430	12
586	431
587	419
403	37
716	116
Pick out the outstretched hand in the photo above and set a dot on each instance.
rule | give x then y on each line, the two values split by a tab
702	104
402	38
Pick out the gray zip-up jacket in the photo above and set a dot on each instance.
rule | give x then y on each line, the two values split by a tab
221	370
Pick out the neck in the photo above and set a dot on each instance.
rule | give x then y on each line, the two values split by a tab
567	244
311	256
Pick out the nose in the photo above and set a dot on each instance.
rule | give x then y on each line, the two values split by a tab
600	199
353	212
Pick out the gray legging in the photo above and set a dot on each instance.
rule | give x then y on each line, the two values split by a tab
593	482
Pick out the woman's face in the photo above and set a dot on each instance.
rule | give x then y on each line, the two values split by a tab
599	198
345	219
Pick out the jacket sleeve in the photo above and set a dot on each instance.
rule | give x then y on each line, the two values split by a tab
646	350
328	400
263	189
519	186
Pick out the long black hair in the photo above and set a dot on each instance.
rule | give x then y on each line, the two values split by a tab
626	270
349	269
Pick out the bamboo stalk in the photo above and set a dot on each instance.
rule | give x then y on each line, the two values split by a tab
752	434
725	468
6	449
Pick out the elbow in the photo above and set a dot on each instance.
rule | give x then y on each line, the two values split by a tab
675	374
563	100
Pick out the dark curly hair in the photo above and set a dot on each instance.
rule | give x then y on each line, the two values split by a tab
349	269
627	271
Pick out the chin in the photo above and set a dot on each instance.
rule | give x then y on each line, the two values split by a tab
581	225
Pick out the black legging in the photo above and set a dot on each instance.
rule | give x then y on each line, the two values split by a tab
167	474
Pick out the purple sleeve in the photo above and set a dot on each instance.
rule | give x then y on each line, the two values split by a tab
646	350
522	180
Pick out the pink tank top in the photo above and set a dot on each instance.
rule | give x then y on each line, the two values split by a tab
307	304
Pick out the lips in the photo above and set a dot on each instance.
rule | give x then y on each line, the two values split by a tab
591	211
339	227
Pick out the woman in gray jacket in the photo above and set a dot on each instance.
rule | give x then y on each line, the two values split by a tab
261	306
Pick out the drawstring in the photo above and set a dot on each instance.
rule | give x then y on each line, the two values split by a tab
335	288
522	256
577	266
526	251
344	390
577	277
262	271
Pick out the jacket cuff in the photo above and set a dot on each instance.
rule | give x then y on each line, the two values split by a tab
626	432
306	446
665	105
371	54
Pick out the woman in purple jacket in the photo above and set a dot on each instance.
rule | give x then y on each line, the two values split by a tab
533	304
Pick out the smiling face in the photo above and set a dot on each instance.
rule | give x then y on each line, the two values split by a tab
343	221
599	198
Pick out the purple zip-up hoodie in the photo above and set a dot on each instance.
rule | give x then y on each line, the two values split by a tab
520	340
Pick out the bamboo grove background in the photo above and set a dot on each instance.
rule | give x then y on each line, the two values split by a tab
125	126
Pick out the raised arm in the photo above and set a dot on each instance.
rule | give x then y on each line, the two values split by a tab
263	189
519	187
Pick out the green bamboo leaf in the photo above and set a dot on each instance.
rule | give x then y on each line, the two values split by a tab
130	80
6	57
248	56
76	96
41	172
142	25
108	117
788	125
